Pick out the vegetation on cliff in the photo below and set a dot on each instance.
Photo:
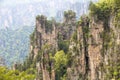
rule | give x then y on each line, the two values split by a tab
104	11
87	49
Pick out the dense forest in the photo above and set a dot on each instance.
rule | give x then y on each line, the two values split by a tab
84	49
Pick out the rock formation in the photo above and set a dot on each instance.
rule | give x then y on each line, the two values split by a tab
89	47
45	40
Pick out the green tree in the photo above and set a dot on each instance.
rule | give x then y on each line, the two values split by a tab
6	74
60	64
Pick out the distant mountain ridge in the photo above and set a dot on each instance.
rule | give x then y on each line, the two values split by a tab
14	44
23	14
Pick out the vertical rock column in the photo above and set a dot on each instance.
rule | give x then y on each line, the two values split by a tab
94	49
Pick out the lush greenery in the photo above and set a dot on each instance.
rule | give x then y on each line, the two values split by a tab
63	45
69	14
61	61
104	9
6	74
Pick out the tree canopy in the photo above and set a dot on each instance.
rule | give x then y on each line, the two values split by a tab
6	74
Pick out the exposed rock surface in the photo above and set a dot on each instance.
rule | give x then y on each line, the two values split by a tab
91	48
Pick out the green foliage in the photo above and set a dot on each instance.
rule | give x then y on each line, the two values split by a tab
102	11
41	18
60	64
63	45
32	38
84	22
74	36
60	59
69	14
115	5
113	72
48	26
6	74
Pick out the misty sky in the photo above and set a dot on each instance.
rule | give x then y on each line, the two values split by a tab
16	2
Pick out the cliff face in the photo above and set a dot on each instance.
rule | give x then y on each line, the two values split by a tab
89	58
45	40
98	51
91	46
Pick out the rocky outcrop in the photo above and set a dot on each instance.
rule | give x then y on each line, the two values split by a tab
97	51
44	41
93	47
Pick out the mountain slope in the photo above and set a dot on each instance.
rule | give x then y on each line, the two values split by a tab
14	44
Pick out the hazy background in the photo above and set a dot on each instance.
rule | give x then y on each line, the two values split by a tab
17	13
